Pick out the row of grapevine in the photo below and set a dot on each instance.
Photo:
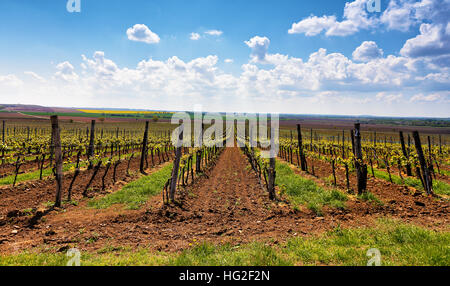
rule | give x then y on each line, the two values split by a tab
404	157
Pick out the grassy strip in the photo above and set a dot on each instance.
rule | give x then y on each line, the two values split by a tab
445	173
137	192
398	243
305	191
369	197
439	187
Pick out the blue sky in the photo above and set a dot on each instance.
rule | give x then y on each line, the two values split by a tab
269	56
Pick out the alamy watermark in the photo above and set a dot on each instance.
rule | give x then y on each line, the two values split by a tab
73	6
375	257
373	6
260	129
74	256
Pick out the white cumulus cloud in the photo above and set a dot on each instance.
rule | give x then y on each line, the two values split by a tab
35	76
355	18
194	36
66	71
259	46
141	33
367	51
388	97
433	40
322	82
10	80
403	14
214	32
431	97
399	15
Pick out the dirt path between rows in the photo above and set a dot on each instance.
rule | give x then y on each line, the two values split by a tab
227	204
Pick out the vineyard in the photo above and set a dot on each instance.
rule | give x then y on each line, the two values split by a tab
122	188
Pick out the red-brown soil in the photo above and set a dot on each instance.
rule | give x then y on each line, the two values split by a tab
8	169
228	204
17	116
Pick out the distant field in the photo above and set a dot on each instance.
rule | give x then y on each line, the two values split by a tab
105	114
333	123
102	111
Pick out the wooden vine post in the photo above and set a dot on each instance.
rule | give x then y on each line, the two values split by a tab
3	132
176	166
427	181
144	148
91	144
430	160
361	168
198	160
352	137
271	171
3	141
58	159
408	166
300	147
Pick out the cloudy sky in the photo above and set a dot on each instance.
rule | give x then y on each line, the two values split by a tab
308	57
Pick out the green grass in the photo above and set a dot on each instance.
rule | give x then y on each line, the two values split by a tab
398	243
369	197
445	173
439	187
136	193
305	191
